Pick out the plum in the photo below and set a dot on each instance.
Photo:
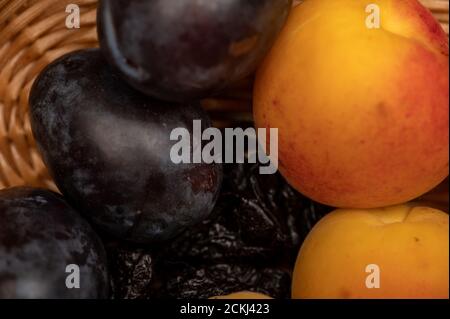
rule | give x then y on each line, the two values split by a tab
40	236
108	146
185	49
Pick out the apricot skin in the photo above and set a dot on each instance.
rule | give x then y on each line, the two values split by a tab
362	113
409	244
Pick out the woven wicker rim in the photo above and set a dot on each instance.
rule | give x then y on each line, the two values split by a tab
33	34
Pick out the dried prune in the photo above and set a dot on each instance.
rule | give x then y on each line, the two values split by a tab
185	281
249	243
131	270
257	217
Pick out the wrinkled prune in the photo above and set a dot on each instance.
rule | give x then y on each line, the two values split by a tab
257	217
249	243
184	49
243	295
185	281
40	236
131	270
108	147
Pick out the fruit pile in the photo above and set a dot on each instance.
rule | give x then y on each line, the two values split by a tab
362	116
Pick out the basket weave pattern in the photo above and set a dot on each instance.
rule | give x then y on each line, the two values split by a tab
33	34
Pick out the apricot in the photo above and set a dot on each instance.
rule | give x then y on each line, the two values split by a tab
362	112
244	295
395	252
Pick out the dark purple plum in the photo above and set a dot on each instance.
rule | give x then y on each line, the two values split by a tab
108	146
40	235
187	49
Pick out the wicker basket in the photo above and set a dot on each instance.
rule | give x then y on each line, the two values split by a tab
32	34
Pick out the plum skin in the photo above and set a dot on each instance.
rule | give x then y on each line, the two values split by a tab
107	146
188	49
40	235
